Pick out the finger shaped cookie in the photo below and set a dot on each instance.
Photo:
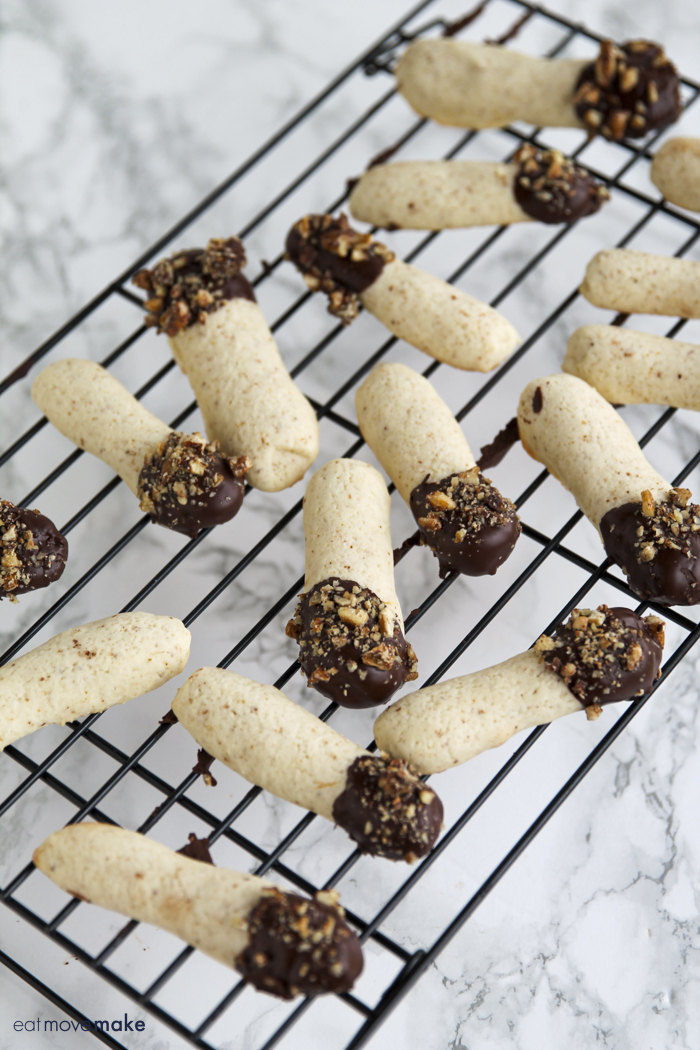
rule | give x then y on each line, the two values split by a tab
640	283
181	480
462	517
631	368
348	623
648	528
675	170
428	313
88	669
598	657
220	340
33	552
541	185
262	735
282	943
625	92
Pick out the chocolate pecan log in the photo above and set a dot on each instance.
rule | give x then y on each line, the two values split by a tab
600	656
540	185
282	943
220	340
262	735
182	481
33	553
650	529
430	314
462	517
625	92
348	623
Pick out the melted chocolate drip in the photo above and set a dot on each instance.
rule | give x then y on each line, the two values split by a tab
197	849
468	525
187	486
659	555
605	655
388	810
350	649
33	552
299	946
493	454
202	767
552	189
628	91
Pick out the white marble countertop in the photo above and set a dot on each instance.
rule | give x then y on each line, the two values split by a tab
115	119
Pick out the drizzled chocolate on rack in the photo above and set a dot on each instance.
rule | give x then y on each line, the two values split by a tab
657	546
628	91
468	525
351	649
387	809
196	849
187	485
551	188
605	655
191	284
335	259
33	552
299	946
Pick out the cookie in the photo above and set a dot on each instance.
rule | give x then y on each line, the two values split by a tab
282	943
353	269
221	341
541	185
182	481
33	553
675	170
348	623
262	735
598	657
88	669
648	528
631	368
640	283
624	93
469	526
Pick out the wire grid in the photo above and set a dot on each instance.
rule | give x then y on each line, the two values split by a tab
411	964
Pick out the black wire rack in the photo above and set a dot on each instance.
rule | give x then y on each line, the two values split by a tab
402	966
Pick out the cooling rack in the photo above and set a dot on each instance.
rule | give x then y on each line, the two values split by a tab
395	965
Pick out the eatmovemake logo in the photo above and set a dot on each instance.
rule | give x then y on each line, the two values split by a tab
41	1025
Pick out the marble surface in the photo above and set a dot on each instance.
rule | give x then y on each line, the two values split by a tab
114	121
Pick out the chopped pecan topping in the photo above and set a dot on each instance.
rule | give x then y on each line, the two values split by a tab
551	188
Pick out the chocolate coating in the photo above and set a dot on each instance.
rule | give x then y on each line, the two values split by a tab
605	655
552	189
468	525
299	946
334	258
387	809
350	648
628	91
33	553
187	486
659	554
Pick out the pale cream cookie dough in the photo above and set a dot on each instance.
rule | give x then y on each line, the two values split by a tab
675	170
641	283
648	528
240	920
442	321
598	657
541	185
89	668
221	341
625	92
181	480
348	623
258	732
461	516
632	368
